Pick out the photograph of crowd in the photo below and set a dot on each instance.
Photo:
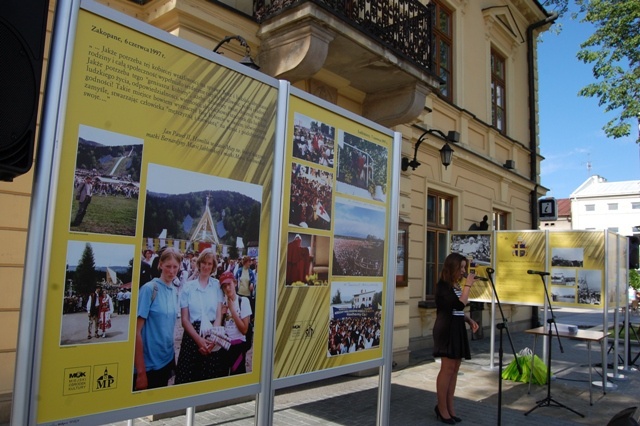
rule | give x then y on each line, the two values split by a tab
97	294
362	167
313	140
196	305
355	314
307	260
474	246
107	182
358	244
569	257
311	193
589	286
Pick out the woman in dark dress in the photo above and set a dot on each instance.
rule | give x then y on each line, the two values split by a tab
451	343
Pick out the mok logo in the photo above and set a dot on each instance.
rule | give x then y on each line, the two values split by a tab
77	380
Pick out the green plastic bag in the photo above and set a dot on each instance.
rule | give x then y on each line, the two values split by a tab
539	376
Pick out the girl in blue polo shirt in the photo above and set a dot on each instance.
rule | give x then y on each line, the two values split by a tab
154	360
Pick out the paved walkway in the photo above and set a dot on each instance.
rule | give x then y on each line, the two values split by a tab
352	401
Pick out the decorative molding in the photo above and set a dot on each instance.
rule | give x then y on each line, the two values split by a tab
503	16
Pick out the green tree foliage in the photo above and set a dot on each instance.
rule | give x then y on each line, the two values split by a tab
614	52
634	279
377	300
93	155
128	275
241	214
86	275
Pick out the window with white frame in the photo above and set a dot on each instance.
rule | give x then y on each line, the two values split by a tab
590	207
612	206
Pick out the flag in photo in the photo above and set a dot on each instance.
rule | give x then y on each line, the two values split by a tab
320	211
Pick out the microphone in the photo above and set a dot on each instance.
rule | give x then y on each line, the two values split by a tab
490	271
541	273
477	278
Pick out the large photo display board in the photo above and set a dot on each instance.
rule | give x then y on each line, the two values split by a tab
334	242
580	268
156	280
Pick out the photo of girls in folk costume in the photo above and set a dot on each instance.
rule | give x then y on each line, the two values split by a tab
104	313
237	326
200	356
93	307
100	308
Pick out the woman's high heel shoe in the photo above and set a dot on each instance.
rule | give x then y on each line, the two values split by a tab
448	421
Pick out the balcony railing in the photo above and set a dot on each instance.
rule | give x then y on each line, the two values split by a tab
404	26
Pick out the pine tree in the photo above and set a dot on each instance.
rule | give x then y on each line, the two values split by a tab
86	275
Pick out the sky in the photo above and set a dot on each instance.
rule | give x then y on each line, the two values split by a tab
170	180
106	137
104	254
359	220
571	137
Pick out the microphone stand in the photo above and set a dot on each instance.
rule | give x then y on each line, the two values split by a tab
549	401
502	327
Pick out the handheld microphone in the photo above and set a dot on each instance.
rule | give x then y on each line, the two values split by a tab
477	278
541	273
490	271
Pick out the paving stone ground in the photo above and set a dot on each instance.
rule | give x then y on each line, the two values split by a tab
350	400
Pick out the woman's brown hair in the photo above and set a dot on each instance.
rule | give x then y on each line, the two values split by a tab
451	268
206	254
172	253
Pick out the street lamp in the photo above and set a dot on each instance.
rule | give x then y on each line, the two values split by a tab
246	60
446	152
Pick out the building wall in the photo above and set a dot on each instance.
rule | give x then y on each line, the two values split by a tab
622	220
477	178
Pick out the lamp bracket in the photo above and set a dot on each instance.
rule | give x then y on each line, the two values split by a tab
452	136
227	39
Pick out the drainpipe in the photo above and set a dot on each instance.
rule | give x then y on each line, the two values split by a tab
533	123
533	126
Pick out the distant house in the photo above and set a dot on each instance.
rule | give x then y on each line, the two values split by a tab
364	299
598	204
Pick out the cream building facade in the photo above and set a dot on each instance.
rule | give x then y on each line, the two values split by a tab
374	59
598	204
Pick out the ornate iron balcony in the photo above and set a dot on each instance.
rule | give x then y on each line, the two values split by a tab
404	26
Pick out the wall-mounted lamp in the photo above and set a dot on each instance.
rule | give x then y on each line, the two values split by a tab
509	164
246	60
446	152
